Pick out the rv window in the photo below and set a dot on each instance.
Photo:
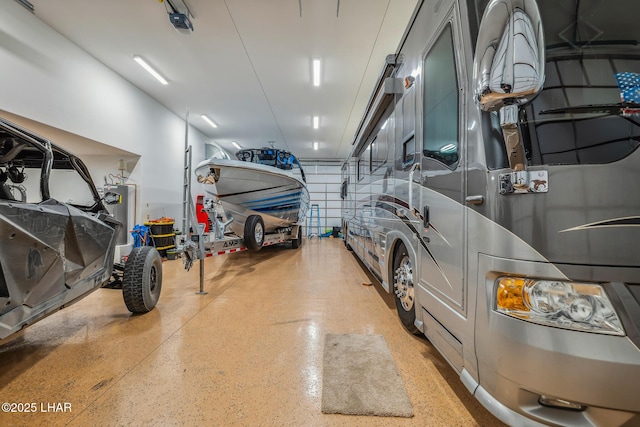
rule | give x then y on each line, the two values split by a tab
364	162
363	165
345	172
343	190
441	102
380	148
373	148
408	150
592	64
409	112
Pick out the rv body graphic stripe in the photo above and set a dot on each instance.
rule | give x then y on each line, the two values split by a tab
631	221
386	203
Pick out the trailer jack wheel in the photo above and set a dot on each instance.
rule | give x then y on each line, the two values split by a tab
254	232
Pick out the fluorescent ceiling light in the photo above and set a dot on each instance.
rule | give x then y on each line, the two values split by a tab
149	69
316	72
235	144
315	146
208	120
316	122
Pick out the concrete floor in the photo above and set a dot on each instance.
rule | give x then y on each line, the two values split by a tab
249	353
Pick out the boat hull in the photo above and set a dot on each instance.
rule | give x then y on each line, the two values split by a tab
279	197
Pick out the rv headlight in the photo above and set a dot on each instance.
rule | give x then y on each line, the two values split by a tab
568	305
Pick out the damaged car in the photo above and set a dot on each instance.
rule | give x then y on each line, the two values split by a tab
57	239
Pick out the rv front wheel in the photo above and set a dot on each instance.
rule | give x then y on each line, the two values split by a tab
403	288
254	232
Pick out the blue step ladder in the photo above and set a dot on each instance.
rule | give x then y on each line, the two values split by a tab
315	210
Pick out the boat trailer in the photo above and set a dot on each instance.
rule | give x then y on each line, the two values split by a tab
219	241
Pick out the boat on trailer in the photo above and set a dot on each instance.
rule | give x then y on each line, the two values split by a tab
262	192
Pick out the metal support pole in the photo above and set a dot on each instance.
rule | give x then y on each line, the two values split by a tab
186	196
186	186
189	218
200	231
202	292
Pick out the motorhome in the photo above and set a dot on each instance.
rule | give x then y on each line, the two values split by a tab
491	189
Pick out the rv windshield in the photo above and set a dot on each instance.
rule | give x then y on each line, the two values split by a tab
588	110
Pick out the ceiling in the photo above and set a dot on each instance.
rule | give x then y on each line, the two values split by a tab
247	64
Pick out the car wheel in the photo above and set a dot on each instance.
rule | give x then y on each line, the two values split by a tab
142	279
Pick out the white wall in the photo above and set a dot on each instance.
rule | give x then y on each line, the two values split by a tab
323	183
49	79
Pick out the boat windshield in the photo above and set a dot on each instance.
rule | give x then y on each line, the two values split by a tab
280	159
588	110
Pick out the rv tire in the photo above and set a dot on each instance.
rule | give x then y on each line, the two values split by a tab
403	290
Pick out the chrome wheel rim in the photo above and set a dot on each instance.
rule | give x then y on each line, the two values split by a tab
258	233
404	283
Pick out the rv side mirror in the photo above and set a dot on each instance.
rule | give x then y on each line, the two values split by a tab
509	59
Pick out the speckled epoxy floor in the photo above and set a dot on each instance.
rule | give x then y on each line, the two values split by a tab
249	353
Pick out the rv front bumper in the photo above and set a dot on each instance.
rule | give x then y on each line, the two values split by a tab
533	369
554	376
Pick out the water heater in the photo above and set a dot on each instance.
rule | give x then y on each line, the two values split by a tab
123	212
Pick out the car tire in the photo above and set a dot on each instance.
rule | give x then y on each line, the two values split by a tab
142	279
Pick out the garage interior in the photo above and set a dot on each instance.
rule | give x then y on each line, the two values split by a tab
262	300
249	352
